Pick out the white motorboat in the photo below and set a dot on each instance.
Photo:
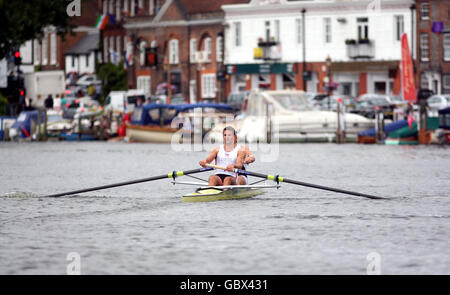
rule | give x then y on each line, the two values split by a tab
286	116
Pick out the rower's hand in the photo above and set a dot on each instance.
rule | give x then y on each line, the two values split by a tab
202	163
230	168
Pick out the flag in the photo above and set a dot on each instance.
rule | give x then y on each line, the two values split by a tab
101	22
112	18
408	81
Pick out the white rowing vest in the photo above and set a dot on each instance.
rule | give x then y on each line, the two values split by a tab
225	158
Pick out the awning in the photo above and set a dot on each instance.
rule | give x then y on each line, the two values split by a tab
364	66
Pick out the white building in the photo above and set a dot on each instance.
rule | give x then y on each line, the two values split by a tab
361	38
82	57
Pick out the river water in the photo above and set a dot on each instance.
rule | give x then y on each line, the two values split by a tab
146	229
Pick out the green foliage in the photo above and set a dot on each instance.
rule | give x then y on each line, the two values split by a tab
23	20
3	103
114	78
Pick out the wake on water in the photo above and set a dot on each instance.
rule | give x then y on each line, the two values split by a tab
20	195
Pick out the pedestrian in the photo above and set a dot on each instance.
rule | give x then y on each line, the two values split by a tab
63	102
49	102
28	106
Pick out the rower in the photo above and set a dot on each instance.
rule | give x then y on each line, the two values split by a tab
228	155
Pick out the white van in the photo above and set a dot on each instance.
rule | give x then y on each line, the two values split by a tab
119	102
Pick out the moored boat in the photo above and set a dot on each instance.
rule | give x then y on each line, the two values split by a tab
163	123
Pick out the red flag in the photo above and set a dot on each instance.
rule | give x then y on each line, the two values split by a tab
408	85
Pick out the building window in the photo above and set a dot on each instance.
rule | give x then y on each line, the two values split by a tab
327	29
208	46
277	30
424	81
111	50
267	28
237	34
173	51
133	8
37	52
298	30
111	7
424	47
53	48
142	53
119	49
424	11
45	50
73	61
87	60
446	82
446	46
363	28
192	49
140	9
144	83
208	86
219	49
118	9
151	7
399	27
125	7
105	49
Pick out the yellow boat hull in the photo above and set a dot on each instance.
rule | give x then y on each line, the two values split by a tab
215	194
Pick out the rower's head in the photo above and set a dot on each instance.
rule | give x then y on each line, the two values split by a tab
229	135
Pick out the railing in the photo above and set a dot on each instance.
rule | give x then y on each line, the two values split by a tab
360	48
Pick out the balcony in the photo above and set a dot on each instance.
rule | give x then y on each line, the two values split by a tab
268	50
360	49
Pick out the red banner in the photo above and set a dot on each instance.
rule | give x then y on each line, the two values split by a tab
408	81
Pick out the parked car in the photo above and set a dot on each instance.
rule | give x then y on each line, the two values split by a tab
118	102
349	102
369	104
398	101
438	102
83	107
236	100
88	80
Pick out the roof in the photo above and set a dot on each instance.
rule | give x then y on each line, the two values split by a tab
86	45
204	6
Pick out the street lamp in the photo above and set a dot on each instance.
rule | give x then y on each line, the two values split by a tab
304	49
328	62
412	7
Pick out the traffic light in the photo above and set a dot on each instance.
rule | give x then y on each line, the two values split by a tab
150	57
17	58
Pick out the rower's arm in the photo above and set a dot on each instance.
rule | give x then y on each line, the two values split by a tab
210	157
240	160
249	157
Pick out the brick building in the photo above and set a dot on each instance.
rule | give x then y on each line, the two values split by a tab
177	40
433	45
49	52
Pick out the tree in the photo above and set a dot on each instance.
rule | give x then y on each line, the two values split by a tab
114	78
23	20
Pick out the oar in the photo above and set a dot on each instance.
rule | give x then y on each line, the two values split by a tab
170	175
282	179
